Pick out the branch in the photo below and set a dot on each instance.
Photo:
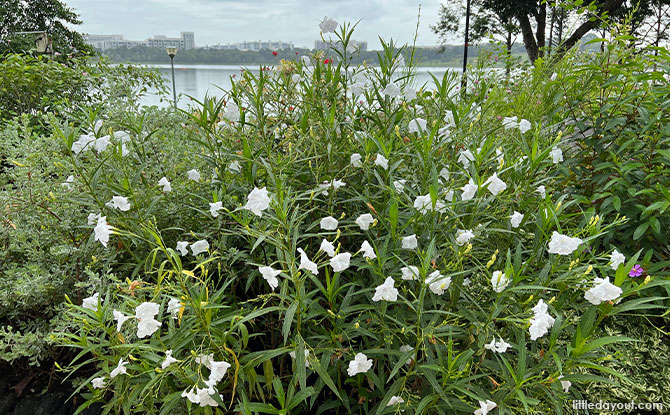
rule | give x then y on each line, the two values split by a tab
607	7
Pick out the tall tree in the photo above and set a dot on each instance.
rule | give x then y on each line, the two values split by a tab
532	18
484	22
50	16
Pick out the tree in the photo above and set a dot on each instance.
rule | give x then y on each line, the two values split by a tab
485	22
531	16
50	16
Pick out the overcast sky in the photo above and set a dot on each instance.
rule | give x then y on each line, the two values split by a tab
231	21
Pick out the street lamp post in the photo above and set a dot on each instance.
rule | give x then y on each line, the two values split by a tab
171	53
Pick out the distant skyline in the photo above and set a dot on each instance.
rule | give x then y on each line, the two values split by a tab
232	21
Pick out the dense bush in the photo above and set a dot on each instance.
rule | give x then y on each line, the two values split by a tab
33	85
43	250
203	297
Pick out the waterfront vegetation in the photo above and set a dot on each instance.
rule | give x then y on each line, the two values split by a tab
330	238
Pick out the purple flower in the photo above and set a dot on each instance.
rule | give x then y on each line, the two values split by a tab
636	271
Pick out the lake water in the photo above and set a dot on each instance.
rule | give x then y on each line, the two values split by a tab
198	80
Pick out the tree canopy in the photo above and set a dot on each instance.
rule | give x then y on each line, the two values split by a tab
50	16
539	20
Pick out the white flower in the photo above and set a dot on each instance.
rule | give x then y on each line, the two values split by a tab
364	221
524	125
93	218
417	125
258	201
119	370
368	250
410	273
381	161
173	307
146	313
360	364
556	155
356	160
562	244
495	184
541	321
305	263
465	157
386	291
409	242
510	122
292	354
167	187
565	384
410	94
120	202
500	156
438	283
616	259
193	175
469	190
485	407
328	223
395	400
102	230
499	281
541	190
120	319
270	276
424	204
91	302
499	346
68	182
98	383
232	112
201	396
217	372
392	90
444	174
464	236
168	360
328	248
516	219
340	262
328	25
199	247
102	143
603	291
399	185
182	247
406	348
82	143
234	167
214	208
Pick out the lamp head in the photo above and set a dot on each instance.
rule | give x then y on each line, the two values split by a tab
171	52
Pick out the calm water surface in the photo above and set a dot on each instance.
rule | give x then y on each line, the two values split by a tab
200	80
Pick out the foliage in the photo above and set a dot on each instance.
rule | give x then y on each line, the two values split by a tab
51	16
618	110
292	132
34	85
43	251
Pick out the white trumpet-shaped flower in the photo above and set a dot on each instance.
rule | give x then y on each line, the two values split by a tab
360	364
386	291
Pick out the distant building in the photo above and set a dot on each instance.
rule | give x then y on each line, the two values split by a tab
256	45
104	42
353	44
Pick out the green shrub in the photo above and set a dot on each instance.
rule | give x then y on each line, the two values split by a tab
248	339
